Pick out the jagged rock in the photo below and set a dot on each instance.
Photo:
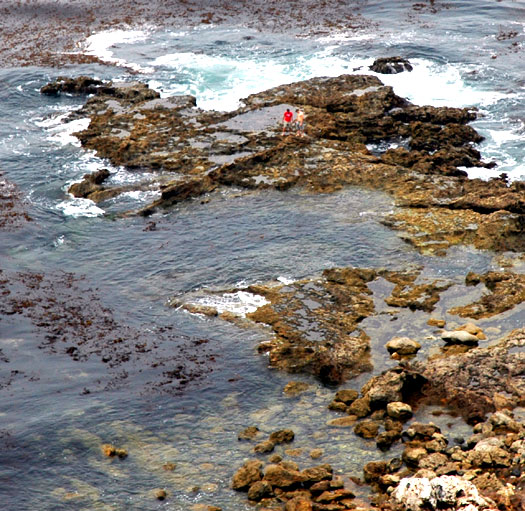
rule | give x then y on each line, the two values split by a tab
373	470
282	436
445	492
79	85
469	382
110	451
390	65
316	474
282	477
248	474
367	429
260	490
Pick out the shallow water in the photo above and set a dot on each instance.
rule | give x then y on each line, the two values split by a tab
51	430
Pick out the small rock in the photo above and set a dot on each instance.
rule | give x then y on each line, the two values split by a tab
403	346
399	410
282	436
343	422
439	323
316	453
347	396
264	447
459	337
412	455
391	65
110	451
360	407
367	429
373	470
249	433
294	388
160	494
260	490
473	329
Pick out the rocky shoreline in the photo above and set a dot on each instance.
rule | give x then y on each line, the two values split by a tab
316	324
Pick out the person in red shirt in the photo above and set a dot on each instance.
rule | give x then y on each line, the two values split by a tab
287	120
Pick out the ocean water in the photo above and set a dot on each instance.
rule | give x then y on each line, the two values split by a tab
464	54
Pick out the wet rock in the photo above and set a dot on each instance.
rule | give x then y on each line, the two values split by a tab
373	471
316	474
399	410
346	396
412	455
316	453
385	439
250	433
469	382
367	429
343	422
391	65
264	447
111	451
260	490
443	492
473	329
282	477
439	323
248	474
295	388
360	407
79	85
505	291
282	436
459	337
160	494
403	346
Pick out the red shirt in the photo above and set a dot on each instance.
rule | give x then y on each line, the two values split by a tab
288	116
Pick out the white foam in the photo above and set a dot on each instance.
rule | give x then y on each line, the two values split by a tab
240	302
63	133
79	208
437	84
100	44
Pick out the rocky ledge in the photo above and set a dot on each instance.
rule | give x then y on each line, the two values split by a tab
184	152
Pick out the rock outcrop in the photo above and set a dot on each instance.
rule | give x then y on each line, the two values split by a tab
193	152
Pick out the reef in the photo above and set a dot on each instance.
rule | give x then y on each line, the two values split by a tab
184	152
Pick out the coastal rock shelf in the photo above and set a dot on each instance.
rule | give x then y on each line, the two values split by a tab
192	152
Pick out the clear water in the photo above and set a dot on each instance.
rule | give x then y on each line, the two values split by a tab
50	431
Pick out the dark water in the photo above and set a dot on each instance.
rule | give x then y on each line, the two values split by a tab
50	429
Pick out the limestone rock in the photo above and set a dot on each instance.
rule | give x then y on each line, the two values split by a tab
445	492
